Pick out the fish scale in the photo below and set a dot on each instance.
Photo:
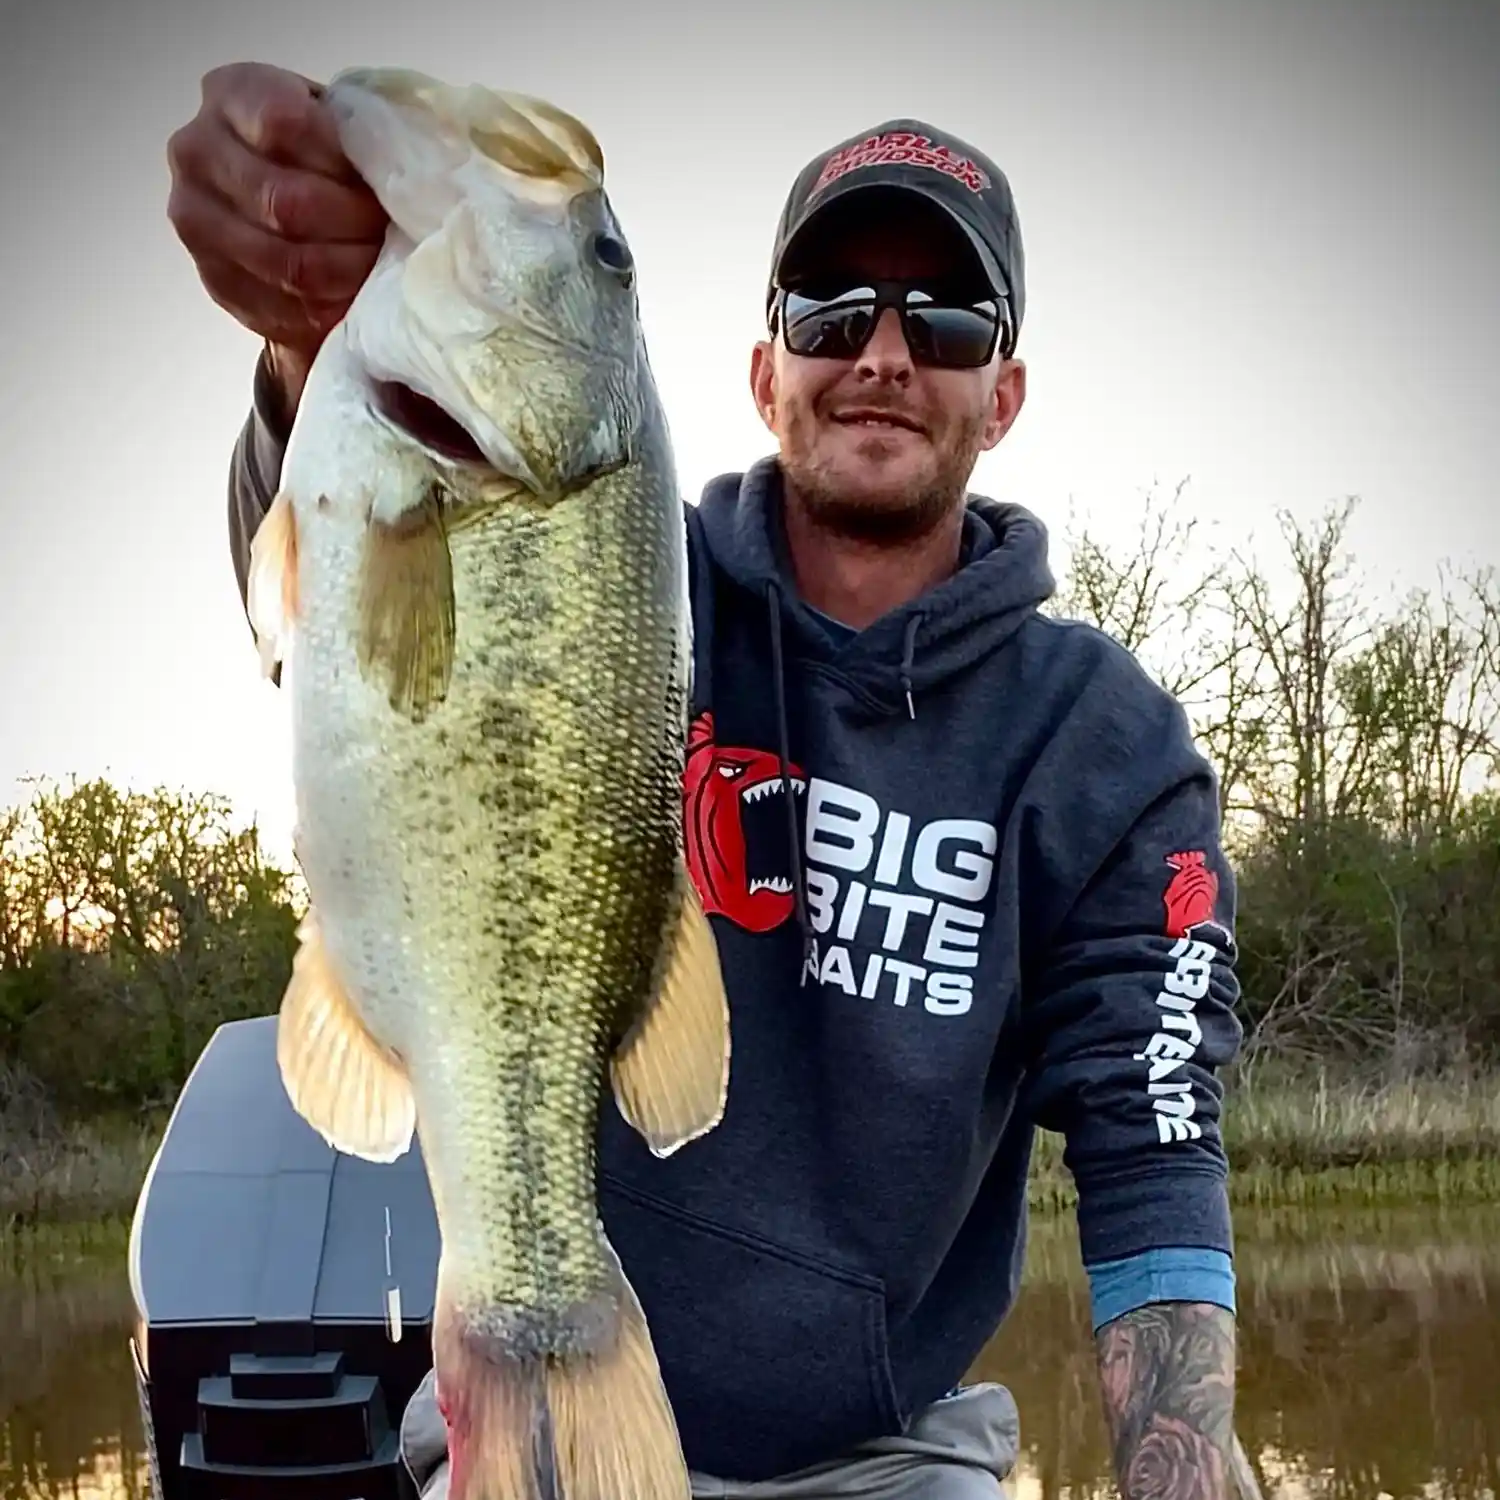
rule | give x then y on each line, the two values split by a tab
576	834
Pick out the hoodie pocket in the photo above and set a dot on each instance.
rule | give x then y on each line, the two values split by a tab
773	1360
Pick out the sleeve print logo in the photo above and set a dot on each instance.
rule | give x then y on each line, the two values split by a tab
902	148
734	821
1191	893
1192	897
1191	901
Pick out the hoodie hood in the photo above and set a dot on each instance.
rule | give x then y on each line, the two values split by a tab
1002	579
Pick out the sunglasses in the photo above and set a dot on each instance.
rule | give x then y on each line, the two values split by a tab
950	331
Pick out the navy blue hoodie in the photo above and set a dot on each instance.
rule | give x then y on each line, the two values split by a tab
994	900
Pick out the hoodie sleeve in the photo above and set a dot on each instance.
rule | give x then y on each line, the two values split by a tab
1132	1004
254	473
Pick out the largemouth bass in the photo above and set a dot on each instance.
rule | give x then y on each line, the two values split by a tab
474	578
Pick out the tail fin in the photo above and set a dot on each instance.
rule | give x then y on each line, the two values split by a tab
598	1425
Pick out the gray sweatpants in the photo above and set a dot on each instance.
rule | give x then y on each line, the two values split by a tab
961	1448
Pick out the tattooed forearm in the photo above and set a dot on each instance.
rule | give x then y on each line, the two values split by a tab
1167	1373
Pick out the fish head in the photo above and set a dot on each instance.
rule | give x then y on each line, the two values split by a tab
501	329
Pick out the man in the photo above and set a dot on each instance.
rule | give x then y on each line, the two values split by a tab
962	859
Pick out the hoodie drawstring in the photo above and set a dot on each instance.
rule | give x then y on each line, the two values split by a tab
784	754
789	793
908	652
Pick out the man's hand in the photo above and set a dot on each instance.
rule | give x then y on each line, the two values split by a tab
280	226
1167	1373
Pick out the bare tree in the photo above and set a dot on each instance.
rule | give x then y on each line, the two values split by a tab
1357	745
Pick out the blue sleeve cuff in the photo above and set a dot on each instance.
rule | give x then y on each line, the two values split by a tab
1117	1287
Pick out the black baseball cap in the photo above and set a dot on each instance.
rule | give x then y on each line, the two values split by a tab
915	157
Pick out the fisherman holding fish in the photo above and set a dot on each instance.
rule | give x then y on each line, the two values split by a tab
955	863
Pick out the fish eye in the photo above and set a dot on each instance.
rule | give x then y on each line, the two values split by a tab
614	255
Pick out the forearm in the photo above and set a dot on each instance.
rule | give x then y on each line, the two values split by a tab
1167	1374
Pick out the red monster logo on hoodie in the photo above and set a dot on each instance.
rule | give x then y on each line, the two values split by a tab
733	814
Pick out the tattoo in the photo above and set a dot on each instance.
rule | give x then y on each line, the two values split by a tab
1167	1372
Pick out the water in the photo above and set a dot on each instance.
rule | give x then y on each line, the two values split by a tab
1370	1366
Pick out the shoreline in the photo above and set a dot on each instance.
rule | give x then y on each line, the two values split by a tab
1293	1141
1311	1137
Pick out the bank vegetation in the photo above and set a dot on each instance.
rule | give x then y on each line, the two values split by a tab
1358	748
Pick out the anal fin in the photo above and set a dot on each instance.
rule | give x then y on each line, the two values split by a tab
671	1073
346	1085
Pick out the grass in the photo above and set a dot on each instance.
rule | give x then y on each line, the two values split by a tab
52	1253
75	1175
1312	1138
1294	1140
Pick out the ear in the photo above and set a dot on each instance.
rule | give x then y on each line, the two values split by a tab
1010	396
763	381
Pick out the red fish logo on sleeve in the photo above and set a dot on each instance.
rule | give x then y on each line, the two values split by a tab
1192	895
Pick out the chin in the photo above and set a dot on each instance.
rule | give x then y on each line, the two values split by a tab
872	502
878	479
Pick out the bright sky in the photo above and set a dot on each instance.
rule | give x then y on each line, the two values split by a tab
1261	236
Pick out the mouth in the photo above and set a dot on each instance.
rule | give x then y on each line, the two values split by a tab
424	421
763	818
876	419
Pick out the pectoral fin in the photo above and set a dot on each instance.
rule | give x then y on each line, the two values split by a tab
671	1074
346	1085
406	607
271	587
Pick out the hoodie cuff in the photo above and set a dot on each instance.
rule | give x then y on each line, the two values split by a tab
254	471
260	454
1162	1210
271	429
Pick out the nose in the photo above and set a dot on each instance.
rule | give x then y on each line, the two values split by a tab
886	357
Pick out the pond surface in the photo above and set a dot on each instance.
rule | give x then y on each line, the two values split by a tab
1370	1366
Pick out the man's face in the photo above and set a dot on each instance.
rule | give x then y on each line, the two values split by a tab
878	445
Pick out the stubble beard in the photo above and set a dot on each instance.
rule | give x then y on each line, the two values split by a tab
837	506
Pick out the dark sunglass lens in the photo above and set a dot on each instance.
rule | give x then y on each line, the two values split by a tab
831	327
955	336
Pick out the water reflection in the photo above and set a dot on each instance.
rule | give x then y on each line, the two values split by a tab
69	1419
1370	1366
1369	1360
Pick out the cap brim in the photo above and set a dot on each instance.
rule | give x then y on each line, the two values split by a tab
839	196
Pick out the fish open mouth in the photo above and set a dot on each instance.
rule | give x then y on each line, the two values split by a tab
763	820
422	419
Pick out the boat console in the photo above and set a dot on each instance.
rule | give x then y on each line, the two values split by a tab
284	1294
